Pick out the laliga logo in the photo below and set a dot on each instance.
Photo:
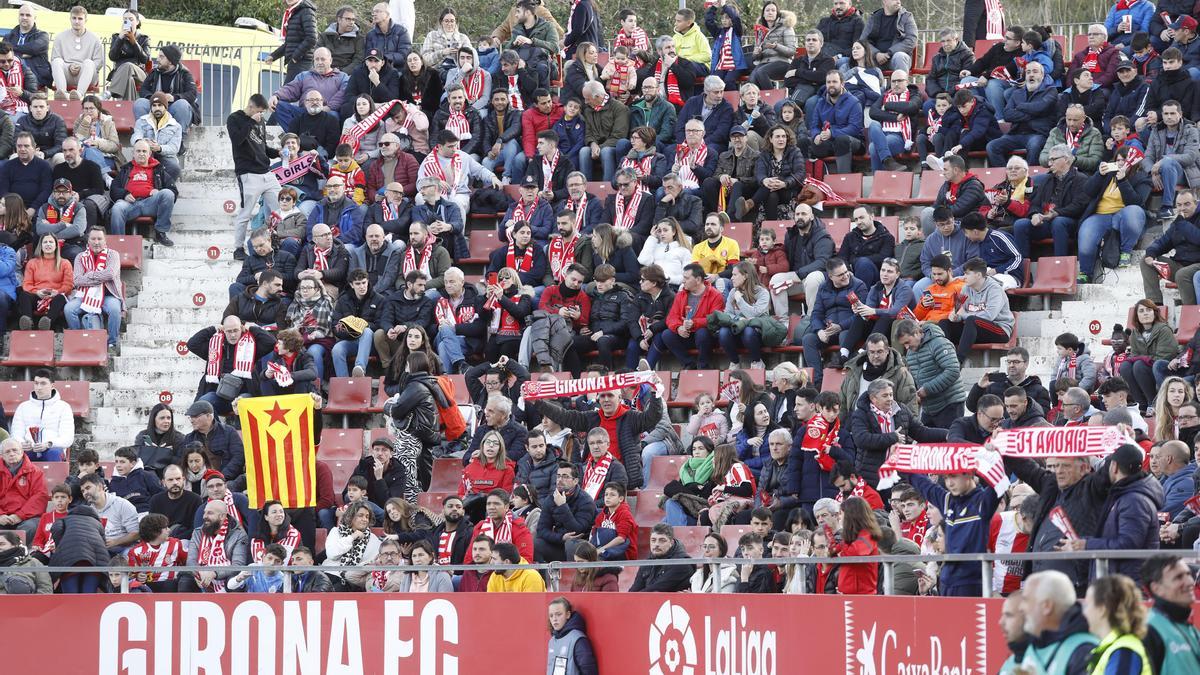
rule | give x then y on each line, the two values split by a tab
669	628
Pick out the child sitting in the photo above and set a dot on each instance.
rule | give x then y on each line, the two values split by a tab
769	258
620	75
350	172
933	123
43	543
707	421
268	579
570	129
908	250
132	481
114	578
1122	133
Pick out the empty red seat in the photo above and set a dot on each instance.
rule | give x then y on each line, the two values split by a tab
837	228
30	348
982	47
931	48
129	246
13	394
848	187
348	395
341	444
461	395
1052	275
481	244
692	383
55	472
84	348
889	188
447	474
663	470
381	397
990	176
741	233
122	114
341	469
433	500
789	345
1189	321
999	346
891	224
193	66
732	533
77	394
772	96
647	512
927	191
600	189
376	434
831	379
734	98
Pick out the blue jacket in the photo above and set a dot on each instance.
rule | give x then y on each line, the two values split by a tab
902	296
805	477
961	250
979	127
449	213
1177	489
8	272
1127	99
1129	520
1142	13
844	116
833	305
31	181
968	521
541	221
713	25
576	515
350	223
1182	235
1043	57
1033	113
716	127
753	458
138	486
570	135
1000	253
393	45
224	443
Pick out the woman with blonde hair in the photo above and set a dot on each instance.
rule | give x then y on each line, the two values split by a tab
506	306
613	246
311	312
584	68
1173	393
670	248
787	379
1116	614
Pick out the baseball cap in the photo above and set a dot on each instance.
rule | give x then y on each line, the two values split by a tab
1184	21
1123	62
739	130
63	183
529	182
374	54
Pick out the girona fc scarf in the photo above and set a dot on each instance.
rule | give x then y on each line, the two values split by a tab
93	296
626	214
934	121
290	541
170	553
594	475
354	135
818	438
412	264
760	35
433	167
320	259
904	126
561	254
526	262
534	390
243	359
688	158
473	83
944	458
994	11
1083	441
672	85
443	310
514	93
459	124
15	78
580	210
500	533
548	167
523	212
1091	60
212	553
1073	137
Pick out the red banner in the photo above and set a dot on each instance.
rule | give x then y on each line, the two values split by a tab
664	634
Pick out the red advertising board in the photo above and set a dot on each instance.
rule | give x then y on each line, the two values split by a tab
658	634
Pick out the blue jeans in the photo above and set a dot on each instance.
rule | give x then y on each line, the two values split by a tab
1171	173
1060	228
47	455
99	158
676	516
111	308
508	159
813	348
996	93
450	347
652	450
702	340
749	338
1000	149
359	349
180	109
609	158
292	245
1129	221
920	286
220	405
882	145
865	271
1161	372
160	205
317	352
81	582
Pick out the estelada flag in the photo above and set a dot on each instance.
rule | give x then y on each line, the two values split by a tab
281	458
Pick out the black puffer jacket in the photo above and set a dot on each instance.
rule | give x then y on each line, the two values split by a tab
301	37
808	253
871	445
416	408
79	538
613	313
664	578
840	32
360	83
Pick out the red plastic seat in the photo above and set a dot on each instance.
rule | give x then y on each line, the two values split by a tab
931	48
646	512
772	96
513	190
13	394
663	470
447	474
319	540
890	188
600	190
55	473
780	226
461	395
341	469
732	533
376	434
84	348
193	66
77	394
927	191
30	348
1078	43
381	397
433	500
982	46
734	98
990	176
789	345
1000	346
1189	321
692	383
341	444
1052	275
848	186
831	379
129	246
742	234
891	224
348	395
837	228
481	244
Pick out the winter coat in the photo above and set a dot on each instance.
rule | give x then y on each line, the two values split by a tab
339	259
1135	189
179	82
1127	99
792	171
807	253
783	35
832	305
944	74
415	409
976	129
1159	345
48	133
79	539
1182	235
805	477
905	39
394	45
1186	150
840	32
871	445
248	307
1174	85
30	571
52	415
544	38
934	367
1107	60
360	84
895	372
332	86
719	35
876	247
301	38
574	516
541	476
1032	112
1065	193
664	578
1178	488
1085	370
844	116
379	490
223	442
1087	152
162	180
1094	102
23	493
716	125
33	48
1032	385
1140	14
630	426
367	308
137	486
347	49
859	578
1129	521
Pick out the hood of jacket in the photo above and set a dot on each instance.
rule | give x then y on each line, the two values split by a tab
52	398
331	29
86	511
929	332
1072	622
575	622
1139	484
675	552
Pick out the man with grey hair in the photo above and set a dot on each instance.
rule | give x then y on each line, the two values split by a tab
774	481
711	108
1087	142
1059	641
606	132
1183	237
1032	107
675	77
460	327
828	513
391	165
948	64
390	37
1076	408
1058	202
1171	462
498	417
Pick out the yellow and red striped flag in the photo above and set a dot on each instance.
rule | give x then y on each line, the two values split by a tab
281	457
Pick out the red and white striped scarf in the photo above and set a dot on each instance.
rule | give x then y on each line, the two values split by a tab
1091	59
521	212
170	553
411	264
561	254
760	35
626	215
603	103
934	121
281	373
443	310
459	124
15	77
688	158
643	166
321	258
526	263
501	533
53	215
904	126
580	210
548	167
738	473
289	542
595	473
637	41
725	59
445	547
671	84
432	166
942	459
390	212
1072	138
231	509
93	296
514	93
886	419
994	11
354	135
243	361
212	553
824	188
473	84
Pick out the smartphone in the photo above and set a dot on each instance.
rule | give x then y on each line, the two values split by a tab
492	278
996	377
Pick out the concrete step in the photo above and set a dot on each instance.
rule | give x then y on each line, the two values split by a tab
199	253
209	314
151	335
175	382
144	399
173	293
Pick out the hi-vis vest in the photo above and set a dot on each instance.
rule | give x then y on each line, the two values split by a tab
1053	659
1112	642
1181	644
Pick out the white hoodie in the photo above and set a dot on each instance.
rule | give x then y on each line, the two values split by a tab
53	416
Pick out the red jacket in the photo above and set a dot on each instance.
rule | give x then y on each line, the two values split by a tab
552	301
622	521
23	495
532	122
861	578
711	301
480	478
404	174
775	260
521	537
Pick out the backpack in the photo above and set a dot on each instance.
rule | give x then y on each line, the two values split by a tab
453	424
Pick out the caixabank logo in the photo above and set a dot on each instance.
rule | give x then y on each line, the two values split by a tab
738	649
896	646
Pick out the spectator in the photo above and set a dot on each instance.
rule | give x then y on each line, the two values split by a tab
448	160
997	250
688	327
1056	206
23	497
1168	634
244	345
1031	109
952	58
118	516
580	70
569	514
809	248
935	370
716	254
44	424
1128	97
504	527
529	212
663	578
64	219
774	44
14	554
352	543
489	469
1101	55
891	130
1078	134
908	249
47	282
1171	152
948	239
79	542
299	31
522	254
513	580
322	79
391	39
866	246
1174	83
162	132
28	176
1184	264
98	289
674	77
177	83
251	160
860	535
344	40
1171	463
535	37
711	108
669	248
132	480
892	32
85	178
779	176
877	361
746	312
877	421
808	70
47	129
606	121
1117	194
1053	621
76	57
970	125
31	44
176	503
129	52
831	318
1015	375
863	78
835	125
143	187
1083	92
476	580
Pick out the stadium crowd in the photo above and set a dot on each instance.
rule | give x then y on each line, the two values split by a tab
618	171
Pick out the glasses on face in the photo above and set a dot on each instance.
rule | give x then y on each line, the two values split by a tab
623	184
1187	417
286	199
386	144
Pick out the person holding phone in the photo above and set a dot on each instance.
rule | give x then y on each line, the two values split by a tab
129	53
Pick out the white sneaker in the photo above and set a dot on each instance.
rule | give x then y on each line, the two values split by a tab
758	365
934	162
